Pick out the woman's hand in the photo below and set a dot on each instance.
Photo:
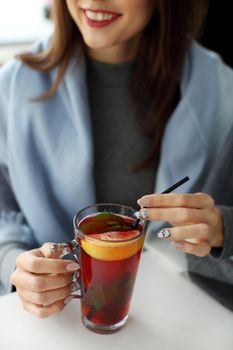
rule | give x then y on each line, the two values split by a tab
43	284
197	223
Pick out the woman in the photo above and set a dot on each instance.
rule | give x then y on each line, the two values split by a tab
118	99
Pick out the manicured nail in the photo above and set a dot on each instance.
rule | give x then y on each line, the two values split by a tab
68	299
143	214
164	233
74	286
52	249
72	267
144	202
178	244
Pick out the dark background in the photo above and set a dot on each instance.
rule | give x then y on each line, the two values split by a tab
217	32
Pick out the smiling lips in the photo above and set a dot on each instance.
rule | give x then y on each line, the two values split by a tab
100	18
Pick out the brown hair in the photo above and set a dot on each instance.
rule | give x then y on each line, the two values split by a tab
159	66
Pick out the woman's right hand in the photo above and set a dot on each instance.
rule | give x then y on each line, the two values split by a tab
43	283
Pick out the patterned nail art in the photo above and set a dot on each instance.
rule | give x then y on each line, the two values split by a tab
143	214
164	233
74	286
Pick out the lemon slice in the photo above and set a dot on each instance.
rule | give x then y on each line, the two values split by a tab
104	246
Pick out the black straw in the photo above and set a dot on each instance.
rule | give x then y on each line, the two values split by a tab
177	184
168	190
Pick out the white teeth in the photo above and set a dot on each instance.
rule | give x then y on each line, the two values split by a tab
98	16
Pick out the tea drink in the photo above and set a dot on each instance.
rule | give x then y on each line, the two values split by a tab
110	250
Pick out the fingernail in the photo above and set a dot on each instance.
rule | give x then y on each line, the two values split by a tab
144	202
143	214
50	250
72	267
68	299
74	286
164	233
178	244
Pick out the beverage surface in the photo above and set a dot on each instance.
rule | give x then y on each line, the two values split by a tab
110	236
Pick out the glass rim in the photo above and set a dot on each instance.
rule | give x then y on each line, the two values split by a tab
94	239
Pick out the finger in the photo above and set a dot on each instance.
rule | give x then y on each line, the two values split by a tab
43	298
34	262
44	311
179	216
46	249
40	283
200	232
172	200
201	249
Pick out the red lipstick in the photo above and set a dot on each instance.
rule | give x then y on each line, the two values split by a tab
95	22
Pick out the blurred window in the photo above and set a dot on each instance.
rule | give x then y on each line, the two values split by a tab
21	23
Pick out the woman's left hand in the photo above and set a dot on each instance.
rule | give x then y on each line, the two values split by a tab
197	223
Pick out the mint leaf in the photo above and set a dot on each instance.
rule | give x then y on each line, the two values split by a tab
119	290
124	289
98	298
105	222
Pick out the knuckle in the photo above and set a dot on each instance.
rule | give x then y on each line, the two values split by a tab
209	201
40	299
34	264
66	279
59	306
157	200
67	290
183	200
205	231
210	217
37	283
42	312
184	215
158	214
201	195
204	249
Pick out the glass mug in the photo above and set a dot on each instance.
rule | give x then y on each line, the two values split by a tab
107	246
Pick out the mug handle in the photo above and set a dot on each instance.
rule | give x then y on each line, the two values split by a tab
71	251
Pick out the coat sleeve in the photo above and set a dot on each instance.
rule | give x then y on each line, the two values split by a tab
214	273
15	234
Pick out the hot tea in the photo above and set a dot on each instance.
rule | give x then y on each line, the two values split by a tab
110	250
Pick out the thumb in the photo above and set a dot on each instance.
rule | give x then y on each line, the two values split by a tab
47	250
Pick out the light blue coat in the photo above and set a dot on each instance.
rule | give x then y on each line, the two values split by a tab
48	148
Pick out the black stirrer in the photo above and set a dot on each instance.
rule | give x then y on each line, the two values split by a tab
168	190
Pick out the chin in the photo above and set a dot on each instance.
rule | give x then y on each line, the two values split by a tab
97	43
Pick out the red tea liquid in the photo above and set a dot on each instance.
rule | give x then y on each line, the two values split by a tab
110	257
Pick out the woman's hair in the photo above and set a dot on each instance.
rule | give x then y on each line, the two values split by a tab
164	43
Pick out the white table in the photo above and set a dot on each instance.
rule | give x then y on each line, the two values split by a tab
168	312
